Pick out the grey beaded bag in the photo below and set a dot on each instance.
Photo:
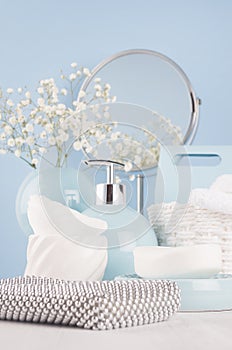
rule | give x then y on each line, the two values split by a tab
91	305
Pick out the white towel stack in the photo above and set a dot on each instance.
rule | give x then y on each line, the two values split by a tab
205	219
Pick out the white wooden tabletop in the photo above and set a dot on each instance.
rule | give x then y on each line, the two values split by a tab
184	331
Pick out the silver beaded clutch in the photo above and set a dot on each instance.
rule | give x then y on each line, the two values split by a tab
92	305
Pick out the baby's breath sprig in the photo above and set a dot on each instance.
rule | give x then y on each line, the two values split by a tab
33	123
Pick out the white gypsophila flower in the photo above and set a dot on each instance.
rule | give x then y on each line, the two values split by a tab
52	141
30	140
88	149
33	114
38	119
107	86
114	99
78	73
81	106
17	153
47	109
117	179
34	161
42	150
28	95
132	177
40	90
19	141
55	98
72	76
43	134
40	102
11	142
115	135
2	136
61	106
33	152
98	93
21	119
77	145
59	140
25	103
0	116
64	92
128	166
97	80
98	133
81	94
60	112
2	151
20	90
10	103
13	120
49	128
86	71
29	128
62	76
98	87
63	134
74	65
75	103
8	130
10	91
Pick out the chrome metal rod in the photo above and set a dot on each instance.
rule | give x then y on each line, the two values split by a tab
140	193
110	174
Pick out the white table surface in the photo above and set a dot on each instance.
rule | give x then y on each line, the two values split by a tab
190	331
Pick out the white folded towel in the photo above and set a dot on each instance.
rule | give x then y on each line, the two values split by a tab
66	244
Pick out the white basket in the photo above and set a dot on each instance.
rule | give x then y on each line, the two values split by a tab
180	225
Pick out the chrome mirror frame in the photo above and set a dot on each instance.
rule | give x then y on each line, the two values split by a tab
195	101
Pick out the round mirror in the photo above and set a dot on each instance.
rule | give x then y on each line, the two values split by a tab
125	133
152	80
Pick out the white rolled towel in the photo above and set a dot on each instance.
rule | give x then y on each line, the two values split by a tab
223	183
66	244
217	198
198	261
211	199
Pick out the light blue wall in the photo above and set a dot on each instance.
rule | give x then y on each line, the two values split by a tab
39	37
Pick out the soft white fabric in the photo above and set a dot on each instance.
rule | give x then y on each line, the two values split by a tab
223	183
51	254
198	261
211	199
